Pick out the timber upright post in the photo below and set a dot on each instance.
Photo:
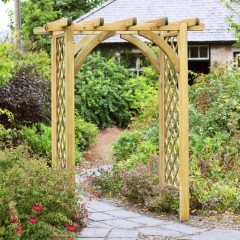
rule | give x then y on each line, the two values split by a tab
161	113
183	124
62	95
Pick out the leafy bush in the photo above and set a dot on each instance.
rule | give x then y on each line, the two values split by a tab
39	61
85	134
5	64
108	94
27	97
38	137
37	202
135	147
214	147
139	186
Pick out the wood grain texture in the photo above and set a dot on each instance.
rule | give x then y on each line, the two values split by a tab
183	124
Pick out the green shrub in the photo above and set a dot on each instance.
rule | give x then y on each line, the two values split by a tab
38	137
85	134
134	147
6	63
214	147
107	94
36	201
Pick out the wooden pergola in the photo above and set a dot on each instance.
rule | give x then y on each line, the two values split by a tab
171	66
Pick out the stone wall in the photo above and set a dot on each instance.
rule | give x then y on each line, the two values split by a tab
222	53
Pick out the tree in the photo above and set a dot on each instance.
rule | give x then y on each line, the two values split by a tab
76	8
233	19
37	13
34	14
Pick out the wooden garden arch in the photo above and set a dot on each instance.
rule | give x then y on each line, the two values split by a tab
171	66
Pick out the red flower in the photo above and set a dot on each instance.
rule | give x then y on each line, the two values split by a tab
37	207
68	238
13	219
33	220
87	215
19	230
71	228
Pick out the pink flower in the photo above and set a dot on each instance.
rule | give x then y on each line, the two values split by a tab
87	215
71	228
19	230
33	220
13	218
37	207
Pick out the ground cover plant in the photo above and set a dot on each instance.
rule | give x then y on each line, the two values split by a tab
214	149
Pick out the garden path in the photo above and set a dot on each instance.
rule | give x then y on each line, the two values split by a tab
110	222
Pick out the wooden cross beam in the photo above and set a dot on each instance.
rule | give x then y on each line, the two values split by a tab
129	25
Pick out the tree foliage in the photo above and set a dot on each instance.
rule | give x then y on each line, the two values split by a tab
75	8
233	19
37	13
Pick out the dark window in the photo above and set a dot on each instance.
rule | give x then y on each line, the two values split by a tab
198	52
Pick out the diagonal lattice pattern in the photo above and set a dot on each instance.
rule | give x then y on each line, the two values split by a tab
171	119
61	104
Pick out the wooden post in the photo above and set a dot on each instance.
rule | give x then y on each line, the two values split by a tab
69	94
161	81
183	124
54	100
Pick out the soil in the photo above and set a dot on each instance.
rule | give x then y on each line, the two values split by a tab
100	154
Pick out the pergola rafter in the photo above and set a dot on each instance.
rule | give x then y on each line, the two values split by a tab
171	65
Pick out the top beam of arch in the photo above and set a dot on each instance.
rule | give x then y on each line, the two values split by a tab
127	25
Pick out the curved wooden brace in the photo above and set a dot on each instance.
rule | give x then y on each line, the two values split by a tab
146	50
164	46
80	44
88	47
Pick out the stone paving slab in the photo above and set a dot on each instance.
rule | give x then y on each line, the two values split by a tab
216	234
122	238
148	221
123	233
100	216
159	231
123	214
94	233
101	207
95	224
122	224
179	227
90	238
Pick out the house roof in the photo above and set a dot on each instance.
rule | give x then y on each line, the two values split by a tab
212	13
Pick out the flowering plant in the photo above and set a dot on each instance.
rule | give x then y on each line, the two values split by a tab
42	204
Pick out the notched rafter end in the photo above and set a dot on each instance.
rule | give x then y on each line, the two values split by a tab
134	21
69	21
166	21
197	21
101	21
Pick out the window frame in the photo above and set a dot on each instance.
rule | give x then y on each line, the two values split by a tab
198	58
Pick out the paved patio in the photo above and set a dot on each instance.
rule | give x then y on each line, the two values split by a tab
110	222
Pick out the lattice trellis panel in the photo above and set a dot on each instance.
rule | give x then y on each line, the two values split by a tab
61	104
171	118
